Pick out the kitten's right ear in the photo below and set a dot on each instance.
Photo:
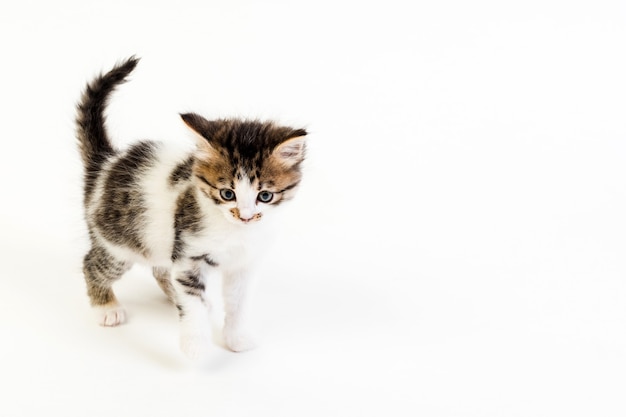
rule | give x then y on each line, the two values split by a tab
203	133
197	123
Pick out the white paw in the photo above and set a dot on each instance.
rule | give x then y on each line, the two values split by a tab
111	315
238	341
195	345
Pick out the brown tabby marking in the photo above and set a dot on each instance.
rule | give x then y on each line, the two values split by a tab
120	214
187	219
182	172
101	270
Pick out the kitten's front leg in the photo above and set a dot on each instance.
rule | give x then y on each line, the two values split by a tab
195	329
235	291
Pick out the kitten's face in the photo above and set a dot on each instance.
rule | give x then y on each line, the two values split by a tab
246	168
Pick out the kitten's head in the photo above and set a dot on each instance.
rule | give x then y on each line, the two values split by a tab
246	167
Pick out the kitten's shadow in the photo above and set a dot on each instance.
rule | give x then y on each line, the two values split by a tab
160	310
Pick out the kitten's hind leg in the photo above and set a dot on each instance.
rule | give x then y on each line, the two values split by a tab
163	278
101	271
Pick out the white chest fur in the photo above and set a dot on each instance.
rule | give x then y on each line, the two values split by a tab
232	246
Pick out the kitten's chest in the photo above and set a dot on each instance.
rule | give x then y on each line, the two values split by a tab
232	247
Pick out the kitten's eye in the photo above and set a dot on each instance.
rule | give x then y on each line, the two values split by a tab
227	195
265	196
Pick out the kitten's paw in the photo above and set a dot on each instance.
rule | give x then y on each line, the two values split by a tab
238	341
111	315
195	345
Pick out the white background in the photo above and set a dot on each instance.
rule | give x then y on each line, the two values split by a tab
457	249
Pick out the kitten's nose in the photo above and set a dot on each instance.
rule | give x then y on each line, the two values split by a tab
245	215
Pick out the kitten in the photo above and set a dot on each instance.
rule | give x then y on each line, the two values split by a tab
184	214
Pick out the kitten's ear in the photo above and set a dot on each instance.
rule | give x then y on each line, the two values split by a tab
199	124
291	151
203	130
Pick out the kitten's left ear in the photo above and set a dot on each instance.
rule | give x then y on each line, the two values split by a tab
291	151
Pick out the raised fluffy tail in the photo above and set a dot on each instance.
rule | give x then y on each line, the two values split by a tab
95	146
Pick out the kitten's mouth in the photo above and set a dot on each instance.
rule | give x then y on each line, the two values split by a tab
253	219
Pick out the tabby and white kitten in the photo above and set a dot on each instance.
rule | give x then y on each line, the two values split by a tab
184	214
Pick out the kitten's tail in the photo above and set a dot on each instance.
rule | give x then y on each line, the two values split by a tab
95	146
